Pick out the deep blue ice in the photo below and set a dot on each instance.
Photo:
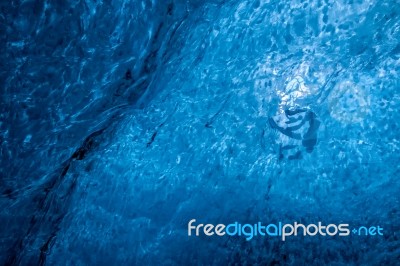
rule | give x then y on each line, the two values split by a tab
122	120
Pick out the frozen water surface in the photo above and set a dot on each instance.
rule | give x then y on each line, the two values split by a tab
123	120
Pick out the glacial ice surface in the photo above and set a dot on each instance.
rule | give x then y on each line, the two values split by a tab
123	120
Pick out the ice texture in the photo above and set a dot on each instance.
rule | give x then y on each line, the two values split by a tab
123	120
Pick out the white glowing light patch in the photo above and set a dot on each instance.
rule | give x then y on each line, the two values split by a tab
294	90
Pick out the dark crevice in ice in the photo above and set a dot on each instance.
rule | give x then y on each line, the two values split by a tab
211	120
154	135
52	204
151	139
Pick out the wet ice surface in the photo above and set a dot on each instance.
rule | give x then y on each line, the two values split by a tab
121	122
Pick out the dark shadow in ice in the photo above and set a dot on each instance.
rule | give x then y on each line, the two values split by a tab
310	138
300	124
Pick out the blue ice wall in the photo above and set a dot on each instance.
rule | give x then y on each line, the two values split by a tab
123	120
